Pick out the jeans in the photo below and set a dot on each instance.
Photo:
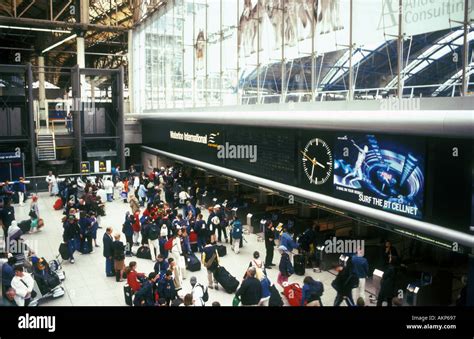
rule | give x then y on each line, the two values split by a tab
110	197
71	246
109	262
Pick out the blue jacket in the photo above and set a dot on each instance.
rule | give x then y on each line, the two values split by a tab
265	288
145	293
288	242
161	267
7	274
127	228
237	230
360	266
166	289
192	209
312	292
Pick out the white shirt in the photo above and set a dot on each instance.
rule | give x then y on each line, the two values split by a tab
109	186
20	288
183	196
198	293
136	182
176	246
50	179
101	193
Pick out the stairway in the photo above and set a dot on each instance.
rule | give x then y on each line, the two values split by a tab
46	146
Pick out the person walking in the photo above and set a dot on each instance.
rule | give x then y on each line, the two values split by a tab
387	284
269	244
236	234
344	283
250	292
285	267
210	259
360	268
108	241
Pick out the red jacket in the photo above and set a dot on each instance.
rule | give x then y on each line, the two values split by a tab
136	224
132	280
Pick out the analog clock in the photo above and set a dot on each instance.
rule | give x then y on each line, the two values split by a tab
317	161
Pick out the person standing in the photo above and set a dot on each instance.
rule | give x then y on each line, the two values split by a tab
7	214
344	283
23	284
119	257
250	292
236	234
34	207
360	268
387	284
51	180
201	230
71	235
21	189
108	242
389	253
269	244
210	259
287	241
166	288
153	235
285	267
197	292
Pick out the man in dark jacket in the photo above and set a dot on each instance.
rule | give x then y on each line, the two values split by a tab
345	281
166	288
71	236
269	244
145	296
387	284
108	240
7	214
161	265
360	268
250	292
127	229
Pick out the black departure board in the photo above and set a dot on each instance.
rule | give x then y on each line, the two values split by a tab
275	153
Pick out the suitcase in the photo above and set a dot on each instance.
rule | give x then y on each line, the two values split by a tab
192	263
275	297
144	252
63	251
127	292
221	250
294	294
58	204
299	264
227	281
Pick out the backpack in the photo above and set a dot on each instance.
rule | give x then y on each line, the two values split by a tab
153	232
205	295
168	245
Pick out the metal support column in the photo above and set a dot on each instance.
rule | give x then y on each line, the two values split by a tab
194	53
465	57
221	40
313	58
206	53
31	119
283	61
400	51
130	71
121	117
351	48
259	92
238	54
76	113
42	92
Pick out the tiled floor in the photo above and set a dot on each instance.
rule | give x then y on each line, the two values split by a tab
87	285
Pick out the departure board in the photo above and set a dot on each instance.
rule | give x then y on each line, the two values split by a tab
275	153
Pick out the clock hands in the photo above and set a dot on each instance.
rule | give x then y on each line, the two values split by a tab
313	161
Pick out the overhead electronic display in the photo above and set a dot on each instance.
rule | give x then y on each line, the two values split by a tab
382	172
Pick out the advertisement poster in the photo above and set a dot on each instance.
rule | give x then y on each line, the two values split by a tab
381	172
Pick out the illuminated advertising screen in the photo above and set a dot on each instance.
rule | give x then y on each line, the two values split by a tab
381	172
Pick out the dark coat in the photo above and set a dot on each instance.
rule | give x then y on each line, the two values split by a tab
118	250
250	292
108	242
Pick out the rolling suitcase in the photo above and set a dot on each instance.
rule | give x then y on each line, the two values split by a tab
192	263
275	297
221	250
127	292
63	251
227	281
299	264
144	252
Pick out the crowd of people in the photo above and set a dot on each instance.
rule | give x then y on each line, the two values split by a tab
164	223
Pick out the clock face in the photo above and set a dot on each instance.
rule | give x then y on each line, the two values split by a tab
317	161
